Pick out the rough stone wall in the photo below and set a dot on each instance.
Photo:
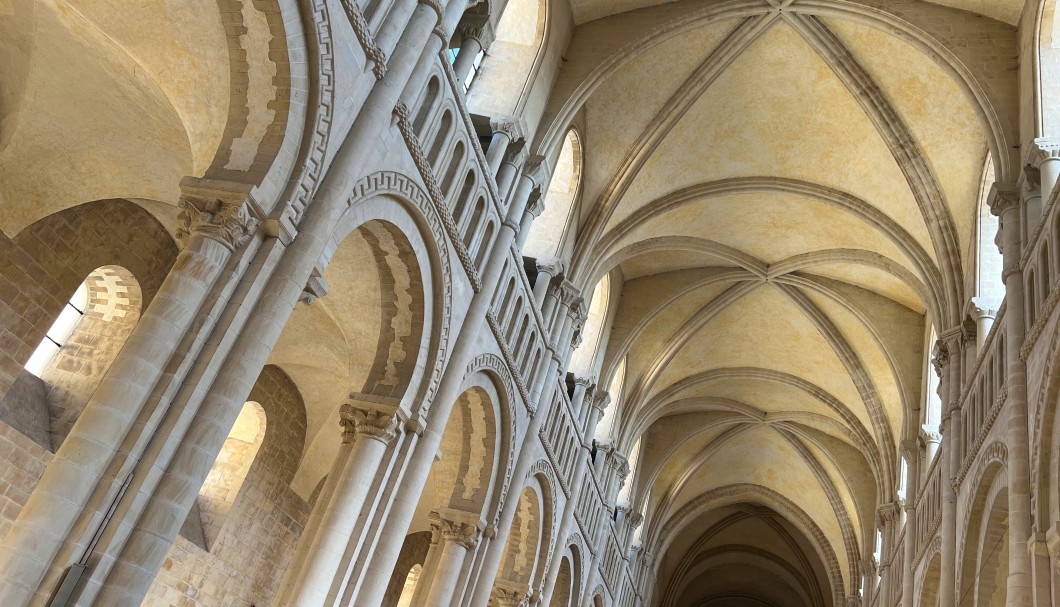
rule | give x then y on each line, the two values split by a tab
44	264
24	463
256	541
25	409
413	552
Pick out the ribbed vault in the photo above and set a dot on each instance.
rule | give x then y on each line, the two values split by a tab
791	205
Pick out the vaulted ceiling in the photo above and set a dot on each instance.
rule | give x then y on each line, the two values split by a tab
789	191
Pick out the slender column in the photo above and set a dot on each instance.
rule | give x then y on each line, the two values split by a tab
505	131
454	536
932	439
1044	165
547	269
951	429
370	432
1052	540
217	220
475	37
1006	205
984	321
293	573
872	578
910	452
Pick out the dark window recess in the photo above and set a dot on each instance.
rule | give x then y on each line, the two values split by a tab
569	380
530	269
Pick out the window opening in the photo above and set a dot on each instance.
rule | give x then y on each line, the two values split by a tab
60	331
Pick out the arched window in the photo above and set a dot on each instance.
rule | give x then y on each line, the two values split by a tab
230	469
584	358
989	288
549	231
59	332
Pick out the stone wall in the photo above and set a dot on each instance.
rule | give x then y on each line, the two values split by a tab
24	462
250	547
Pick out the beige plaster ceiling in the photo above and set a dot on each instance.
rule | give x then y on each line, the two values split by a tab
790	203
589	10
126	97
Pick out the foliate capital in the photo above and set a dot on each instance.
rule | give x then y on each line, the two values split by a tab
448	528
601	400
930	434
478	27
1042	150
315	288
510	126
887	513
550	265
537	169
219	210
369	423
1003	196
535	203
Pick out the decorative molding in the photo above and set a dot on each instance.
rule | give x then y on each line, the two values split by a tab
372	51
435	6
393	183
402	112
300	191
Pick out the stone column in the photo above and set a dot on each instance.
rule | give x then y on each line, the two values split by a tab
454	535
1043	169
951	428
370	432
910	452
932	439
505	131
1005	204
217	219
475	37
984	317
871	578
547	269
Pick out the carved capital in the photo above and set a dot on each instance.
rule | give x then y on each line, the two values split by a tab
1003	197
853	601
366	422
435	6
601	400
503	596
551	266
449	528
887	514
221	211
979	308
634	520
512	127
1042	150
537	169
930	434
478	27
535	202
